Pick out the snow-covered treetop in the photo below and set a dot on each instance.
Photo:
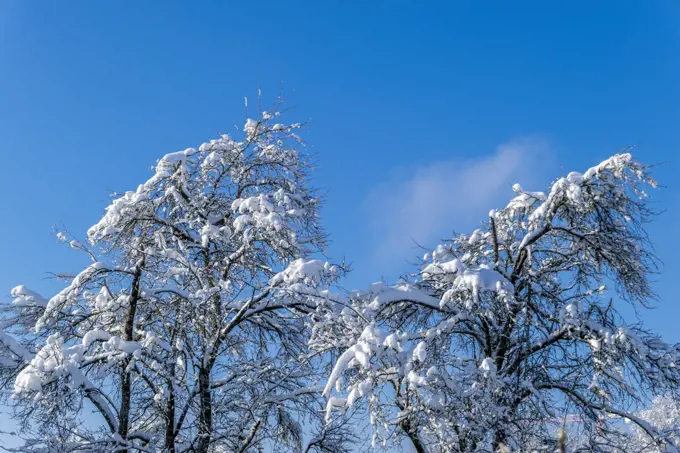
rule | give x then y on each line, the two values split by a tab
227	190
196	303
503	329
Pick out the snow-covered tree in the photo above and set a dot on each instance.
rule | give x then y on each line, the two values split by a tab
505	331
663	414
188	331
661	418
77	353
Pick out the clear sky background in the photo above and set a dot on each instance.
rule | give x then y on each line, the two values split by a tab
421	115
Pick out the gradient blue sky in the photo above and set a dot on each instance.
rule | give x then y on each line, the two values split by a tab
422	115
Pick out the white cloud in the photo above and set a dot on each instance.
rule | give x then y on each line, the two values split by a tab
424	204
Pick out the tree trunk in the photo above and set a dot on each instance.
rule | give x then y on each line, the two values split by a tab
170	421
499	439
413	436
125	394
205	414
126	380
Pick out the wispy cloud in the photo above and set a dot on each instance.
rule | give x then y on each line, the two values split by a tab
423	204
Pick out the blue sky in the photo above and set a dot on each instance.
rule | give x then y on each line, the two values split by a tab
421	116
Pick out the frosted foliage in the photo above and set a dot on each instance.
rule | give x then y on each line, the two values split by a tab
207	322
188	330
660	431
503	332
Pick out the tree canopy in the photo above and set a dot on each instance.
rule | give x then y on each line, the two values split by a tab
209	320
